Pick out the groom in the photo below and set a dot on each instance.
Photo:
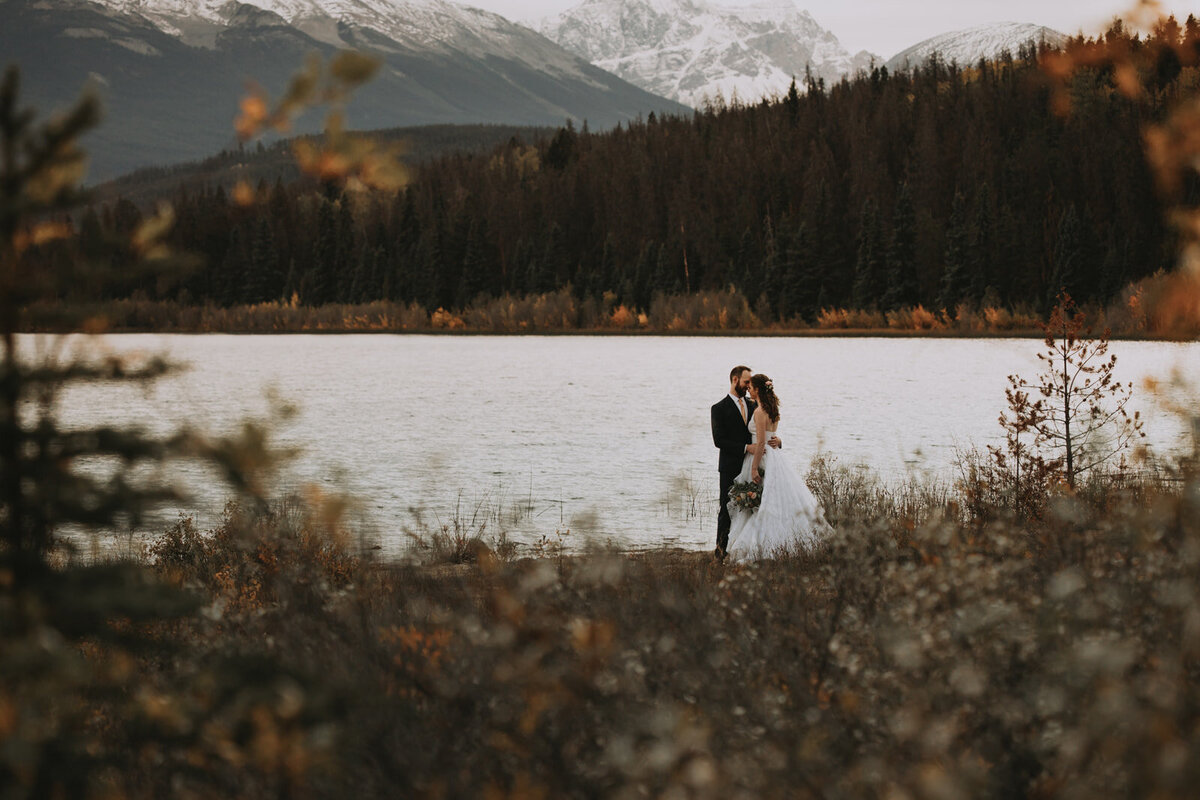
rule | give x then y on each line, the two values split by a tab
731	434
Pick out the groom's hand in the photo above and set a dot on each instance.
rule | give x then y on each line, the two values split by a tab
774	442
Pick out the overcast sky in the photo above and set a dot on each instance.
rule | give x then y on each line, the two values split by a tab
885	27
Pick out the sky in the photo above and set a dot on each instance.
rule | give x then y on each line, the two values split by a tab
885	27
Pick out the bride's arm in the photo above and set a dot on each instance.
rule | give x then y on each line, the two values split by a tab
760	425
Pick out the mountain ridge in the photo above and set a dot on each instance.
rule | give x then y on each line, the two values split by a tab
968	45
695	50
171	81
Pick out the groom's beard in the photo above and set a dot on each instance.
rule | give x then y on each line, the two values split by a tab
741	391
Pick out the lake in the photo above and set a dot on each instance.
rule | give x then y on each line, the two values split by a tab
581	437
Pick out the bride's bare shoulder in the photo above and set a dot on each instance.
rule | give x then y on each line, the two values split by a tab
760	414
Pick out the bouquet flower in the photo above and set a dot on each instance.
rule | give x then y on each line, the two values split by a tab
746	495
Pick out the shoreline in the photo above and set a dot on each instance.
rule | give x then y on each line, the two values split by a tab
796	333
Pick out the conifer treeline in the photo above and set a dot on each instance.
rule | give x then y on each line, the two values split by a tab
948	185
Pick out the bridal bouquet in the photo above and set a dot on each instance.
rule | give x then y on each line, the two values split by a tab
745	495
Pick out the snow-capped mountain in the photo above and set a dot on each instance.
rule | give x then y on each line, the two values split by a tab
171	72
966	47
419	24
693	50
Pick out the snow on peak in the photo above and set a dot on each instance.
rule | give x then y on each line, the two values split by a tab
414	22
968	46
696	50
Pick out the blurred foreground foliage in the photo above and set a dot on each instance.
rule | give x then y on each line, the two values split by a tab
95	682
922	652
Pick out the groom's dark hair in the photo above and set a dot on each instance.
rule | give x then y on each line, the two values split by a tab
736	373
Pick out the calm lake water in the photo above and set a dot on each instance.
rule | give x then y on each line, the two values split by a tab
582	437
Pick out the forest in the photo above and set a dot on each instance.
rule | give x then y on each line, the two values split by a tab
951	186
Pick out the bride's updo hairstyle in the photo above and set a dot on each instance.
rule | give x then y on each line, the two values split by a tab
766	395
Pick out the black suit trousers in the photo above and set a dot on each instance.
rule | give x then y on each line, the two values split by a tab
723	521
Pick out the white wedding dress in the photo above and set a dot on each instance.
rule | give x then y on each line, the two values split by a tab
789	517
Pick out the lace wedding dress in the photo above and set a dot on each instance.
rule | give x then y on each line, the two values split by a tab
789	517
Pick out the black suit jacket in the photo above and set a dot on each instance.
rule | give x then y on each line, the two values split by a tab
731	434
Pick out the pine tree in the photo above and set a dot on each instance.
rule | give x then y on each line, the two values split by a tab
774	271
955	280
748	252
552	266
644	280
902	288
360	276
403	268
291	282
562	149
323	281
802	280
869	267
263	280
345	247
474	267
981	244
426	269
233	272
662	283
602	277
1068	253
791	103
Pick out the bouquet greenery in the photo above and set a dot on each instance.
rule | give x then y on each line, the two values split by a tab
746	495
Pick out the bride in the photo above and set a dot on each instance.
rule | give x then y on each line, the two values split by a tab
788	517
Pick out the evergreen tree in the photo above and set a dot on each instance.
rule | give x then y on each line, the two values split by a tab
360	276
791	103
263	280
1112	269
475	265
981	244
1066	268
645	274
345	248
902	288
562	147
662	283
955	279
774	271
426	270
291	282
603	277
748	252
552	266
322	285
233	285
403	268
802	279
869	267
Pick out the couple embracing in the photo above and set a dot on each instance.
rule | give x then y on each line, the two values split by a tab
787	517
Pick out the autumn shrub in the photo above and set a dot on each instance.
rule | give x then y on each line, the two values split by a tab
855	493
252	559
462	538
914	318
703	311
850	318
552	311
